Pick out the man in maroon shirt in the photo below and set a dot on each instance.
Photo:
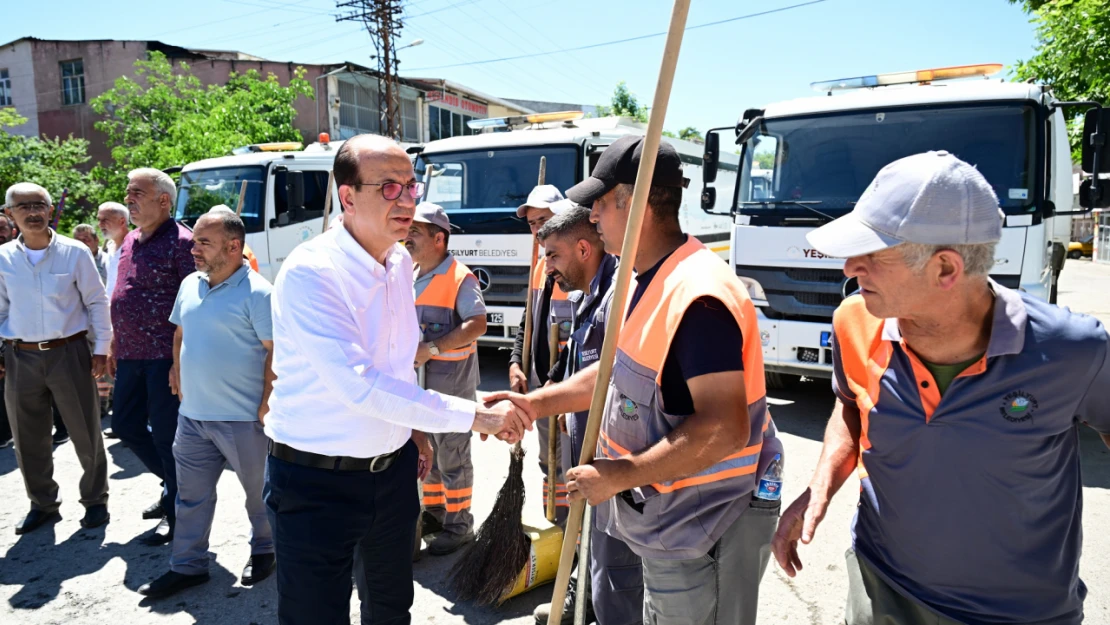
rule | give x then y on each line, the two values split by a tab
154	259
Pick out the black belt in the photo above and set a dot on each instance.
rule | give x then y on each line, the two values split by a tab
45	346
377	464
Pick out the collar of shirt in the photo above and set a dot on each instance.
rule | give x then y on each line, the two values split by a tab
232	281
439	270
1007	325
159	232
22	247
356	252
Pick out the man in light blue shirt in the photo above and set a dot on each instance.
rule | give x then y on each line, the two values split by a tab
221	373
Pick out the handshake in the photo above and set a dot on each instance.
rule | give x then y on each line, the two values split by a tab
504	414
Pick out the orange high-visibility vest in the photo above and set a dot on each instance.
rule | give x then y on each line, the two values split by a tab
684	517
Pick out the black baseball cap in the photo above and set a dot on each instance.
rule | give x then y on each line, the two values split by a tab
618	165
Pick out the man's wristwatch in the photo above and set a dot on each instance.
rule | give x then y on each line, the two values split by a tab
432	349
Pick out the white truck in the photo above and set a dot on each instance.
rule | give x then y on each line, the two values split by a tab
804	162
481	179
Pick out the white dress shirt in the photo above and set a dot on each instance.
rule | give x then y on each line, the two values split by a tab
112	266
57	297
345	338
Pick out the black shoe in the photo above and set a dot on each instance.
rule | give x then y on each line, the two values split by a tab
429	524
6	443
567	618
36	519
60	438
259	566
161	535
110	433
171	583
154	512
95	516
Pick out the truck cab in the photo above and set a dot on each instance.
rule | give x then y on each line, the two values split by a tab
805	162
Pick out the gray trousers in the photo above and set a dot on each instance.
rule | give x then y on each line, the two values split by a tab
721	587
616	581
201	449
63	374
448	489
562	457
872	601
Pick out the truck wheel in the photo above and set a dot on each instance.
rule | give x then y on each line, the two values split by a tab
781	381
1075	254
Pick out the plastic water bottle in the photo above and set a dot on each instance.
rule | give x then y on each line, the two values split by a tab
770	485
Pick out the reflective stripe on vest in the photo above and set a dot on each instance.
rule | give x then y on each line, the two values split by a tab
683	517
438	300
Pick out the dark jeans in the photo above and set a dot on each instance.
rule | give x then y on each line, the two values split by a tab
320	517
142	392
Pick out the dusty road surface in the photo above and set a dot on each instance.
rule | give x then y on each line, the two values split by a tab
63	574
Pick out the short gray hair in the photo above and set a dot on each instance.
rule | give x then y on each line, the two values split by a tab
978	257
119	209
233	226
25	187
87	229
161	180
575	221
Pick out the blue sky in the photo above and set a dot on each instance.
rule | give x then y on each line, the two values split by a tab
722	69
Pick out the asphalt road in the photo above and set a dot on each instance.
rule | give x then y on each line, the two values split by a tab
64	574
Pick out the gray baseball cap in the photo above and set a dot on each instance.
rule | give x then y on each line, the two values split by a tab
432	213
542	196
932	198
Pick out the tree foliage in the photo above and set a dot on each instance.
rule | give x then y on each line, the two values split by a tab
165	117
624	104
690	133
1073	50
55	164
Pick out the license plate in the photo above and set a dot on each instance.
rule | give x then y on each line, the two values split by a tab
495	317
826	339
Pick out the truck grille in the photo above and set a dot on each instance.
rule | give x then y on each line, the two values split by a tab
508	285
796	293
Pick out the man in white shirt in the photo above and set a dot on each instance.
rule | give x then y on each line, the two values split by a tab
51	299
112	219
346	414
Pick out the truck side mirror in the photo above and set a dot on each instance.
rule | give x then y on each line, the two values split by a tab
1095	191
708	199
294	191
711	158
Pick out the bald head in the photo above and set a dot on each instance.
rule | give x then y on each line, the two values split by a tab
361	148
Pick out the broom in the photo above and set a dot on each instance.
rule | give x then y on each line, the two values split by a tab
620	299
491	564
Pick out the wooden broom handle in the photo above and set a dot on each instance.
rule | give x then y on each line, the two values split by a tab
620	297
553	434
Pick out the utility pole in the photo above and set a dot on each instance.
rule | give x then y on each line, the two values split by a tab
382	19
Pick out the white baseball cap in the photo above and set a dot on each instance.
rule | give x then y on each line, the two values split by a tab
932	198
542	196
431	213
562	205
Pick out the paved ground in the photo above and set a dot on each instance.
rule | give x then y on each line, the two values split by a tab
68	575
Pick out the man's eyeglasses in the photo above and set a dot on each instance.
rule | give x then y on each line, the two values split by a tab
392	190
31	207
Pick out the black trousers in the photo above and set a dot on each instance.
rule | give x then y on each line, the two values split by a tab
320	517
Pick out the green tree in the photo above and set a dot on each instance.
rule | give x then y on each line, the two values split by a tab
165	116
690	133
55	164
1072	52
624	104
765	160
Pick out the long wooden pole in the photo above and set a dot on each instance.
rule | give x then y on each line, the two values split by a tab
242	198
620	294
327	201
553	433
526	354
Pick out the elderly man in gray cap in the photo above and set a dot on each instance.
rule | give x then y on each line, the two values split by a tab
452	315
958	400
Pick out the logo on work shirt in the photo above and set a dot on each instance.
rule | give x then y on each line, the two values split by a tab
564	327
628	409
1018	406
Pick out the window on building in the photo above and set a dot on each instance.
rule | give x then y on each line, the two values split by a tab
358	106
73	82
5	88
410	124
443	123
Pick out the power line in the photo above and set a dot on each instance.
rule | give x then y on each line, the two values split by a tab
619	41
220	21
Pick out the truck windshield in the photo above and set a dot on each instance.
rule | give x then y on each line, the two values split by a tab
199	190
481	189
827	160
